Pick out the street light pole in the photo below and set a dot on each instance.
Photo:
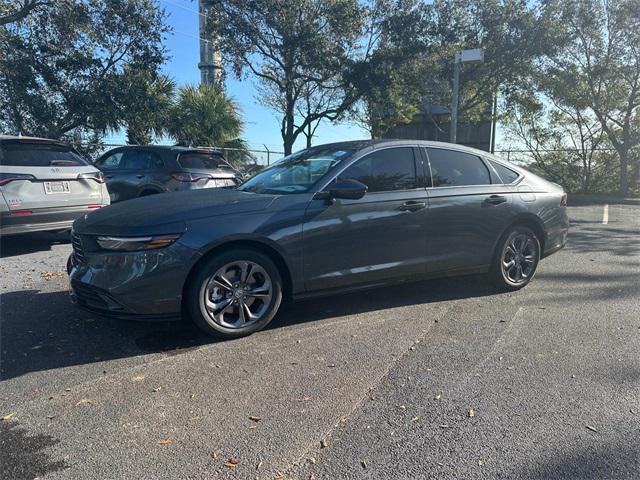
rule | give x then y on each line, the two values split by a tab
454	100
474	55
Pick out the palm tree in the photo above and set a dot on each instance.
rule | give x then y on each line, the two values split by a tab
146	112
203	116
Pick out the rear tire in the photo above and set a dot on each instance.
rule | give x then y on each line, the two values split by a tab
516	259
234	293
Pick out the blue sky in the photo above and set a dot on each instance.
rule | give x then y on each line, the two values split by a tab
262	125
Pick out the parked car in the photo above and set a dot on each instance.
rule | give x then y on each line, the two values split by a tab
45	185
138	171
330	218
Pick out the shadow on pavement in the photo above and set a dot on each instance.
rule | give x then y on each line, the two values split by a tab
24	456
615	240
614	461
15	245
44	331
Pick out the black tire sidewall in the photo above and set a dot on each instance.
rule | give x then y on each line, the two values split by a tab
195	301
499	277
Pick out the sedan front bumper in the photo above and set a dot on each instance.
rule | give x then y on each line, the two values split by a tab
143	285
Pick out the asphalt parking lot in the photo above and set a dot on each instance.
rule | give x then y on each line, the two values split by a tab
438	379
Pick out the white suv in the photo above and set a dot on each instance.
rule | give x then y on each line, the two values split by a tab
45	185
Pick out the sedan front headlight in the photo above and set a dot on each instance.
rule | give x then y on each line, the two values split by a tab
129	244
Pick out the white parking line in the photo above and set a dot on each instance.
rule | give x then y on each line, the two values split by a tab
605	214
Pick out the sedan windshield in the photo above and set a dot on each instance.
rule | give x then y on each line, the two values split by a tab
298	172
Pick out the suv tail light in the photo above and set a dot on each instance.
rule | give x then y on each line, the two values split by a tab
563	200
10	177
189	177
95	176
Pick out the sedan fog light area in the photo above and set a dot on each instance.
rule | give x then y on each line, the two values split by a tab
130	244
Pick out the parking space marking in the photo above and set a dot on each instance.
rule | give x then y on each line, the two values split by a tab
605	214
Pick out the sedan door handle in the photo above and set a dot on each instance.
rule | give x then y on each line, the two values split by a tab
139	176
412	206
495	200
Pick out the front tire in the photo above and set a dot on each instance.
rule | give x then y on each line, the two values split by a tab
234	293
516	259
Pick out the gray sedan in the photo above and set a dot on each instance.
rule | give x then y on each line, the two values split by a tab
326	219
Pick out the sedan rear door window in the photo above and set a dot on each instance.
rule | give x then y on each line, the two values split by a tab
450	168
386	170
24	154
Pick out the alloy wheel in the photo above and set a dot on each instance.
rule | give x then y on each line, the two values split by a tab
238	294
520	257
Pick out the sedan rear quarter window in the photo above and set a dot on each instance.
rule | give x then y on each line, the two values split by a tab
506	174
450	168
25	154
201	161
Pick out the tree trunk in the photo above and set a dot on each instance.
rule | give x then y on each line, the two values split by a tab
624	171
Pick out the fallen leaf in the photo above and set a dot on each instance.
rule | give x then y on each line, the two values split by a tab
311	460
480	462
414	419
437	397
593	429
252	427
402	407
164	441
157	389
472	413
86	401
254	418
324	444
363	463
214	455
259	465
231	463
137	378
444	425
8	417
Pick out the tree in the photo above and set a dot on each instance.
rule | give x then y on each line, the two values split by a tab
567	145
68	67
16	10
598	68
146	110
204	116
293	48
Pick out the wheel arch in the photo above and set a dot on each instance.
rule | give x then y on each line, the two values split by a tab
149	190
259	245
525	220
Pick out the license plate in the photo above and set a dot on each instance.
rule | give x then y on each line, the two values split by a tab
56	187
220	182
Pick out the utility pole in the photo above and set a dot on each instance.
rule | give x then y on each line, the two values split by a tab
211	68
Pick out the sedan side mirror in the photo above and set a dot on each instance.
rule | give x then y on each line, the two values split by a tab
348	189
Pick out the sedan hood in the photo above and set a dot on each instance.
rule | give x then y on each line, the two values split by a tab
169	212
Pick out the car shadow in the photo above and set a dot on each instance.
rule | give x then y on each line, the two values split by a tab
44	331
14	245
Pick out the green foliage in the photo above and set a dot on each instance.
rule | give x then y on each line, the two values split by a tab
203	116
146	110
292	47
70	68
595	69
